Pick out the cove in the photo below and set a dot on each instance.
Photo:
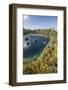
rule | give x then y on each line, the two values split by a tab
33	45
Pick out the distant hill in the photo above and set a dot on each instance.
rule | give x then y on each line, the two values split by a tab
25	31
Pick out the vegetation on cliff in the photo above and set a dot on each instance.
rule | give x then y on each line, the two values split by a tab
46	62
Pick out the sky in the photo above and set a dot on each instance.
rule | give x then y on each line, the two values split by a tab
39	22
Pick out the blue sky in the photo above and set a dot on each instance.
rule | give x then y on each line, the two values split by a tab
40	22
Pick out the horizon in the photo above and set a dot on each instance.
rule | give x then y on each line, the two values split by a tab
40	29
39	22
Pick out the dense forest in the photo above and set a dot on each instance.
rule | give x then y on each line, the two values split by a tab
46	62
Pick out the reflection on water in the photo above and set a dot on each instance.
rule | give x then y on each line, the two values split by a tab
33	45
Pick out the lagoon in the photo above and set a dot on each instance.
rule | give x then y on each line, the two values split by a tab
33	45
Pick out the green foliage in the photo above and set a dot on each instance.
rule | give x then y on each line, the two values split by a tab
46	62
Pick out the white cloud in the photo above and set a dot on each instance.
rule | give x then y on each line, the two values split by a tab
26	17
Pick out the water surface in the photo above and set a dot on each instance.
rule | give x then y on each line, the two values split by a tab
33	45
